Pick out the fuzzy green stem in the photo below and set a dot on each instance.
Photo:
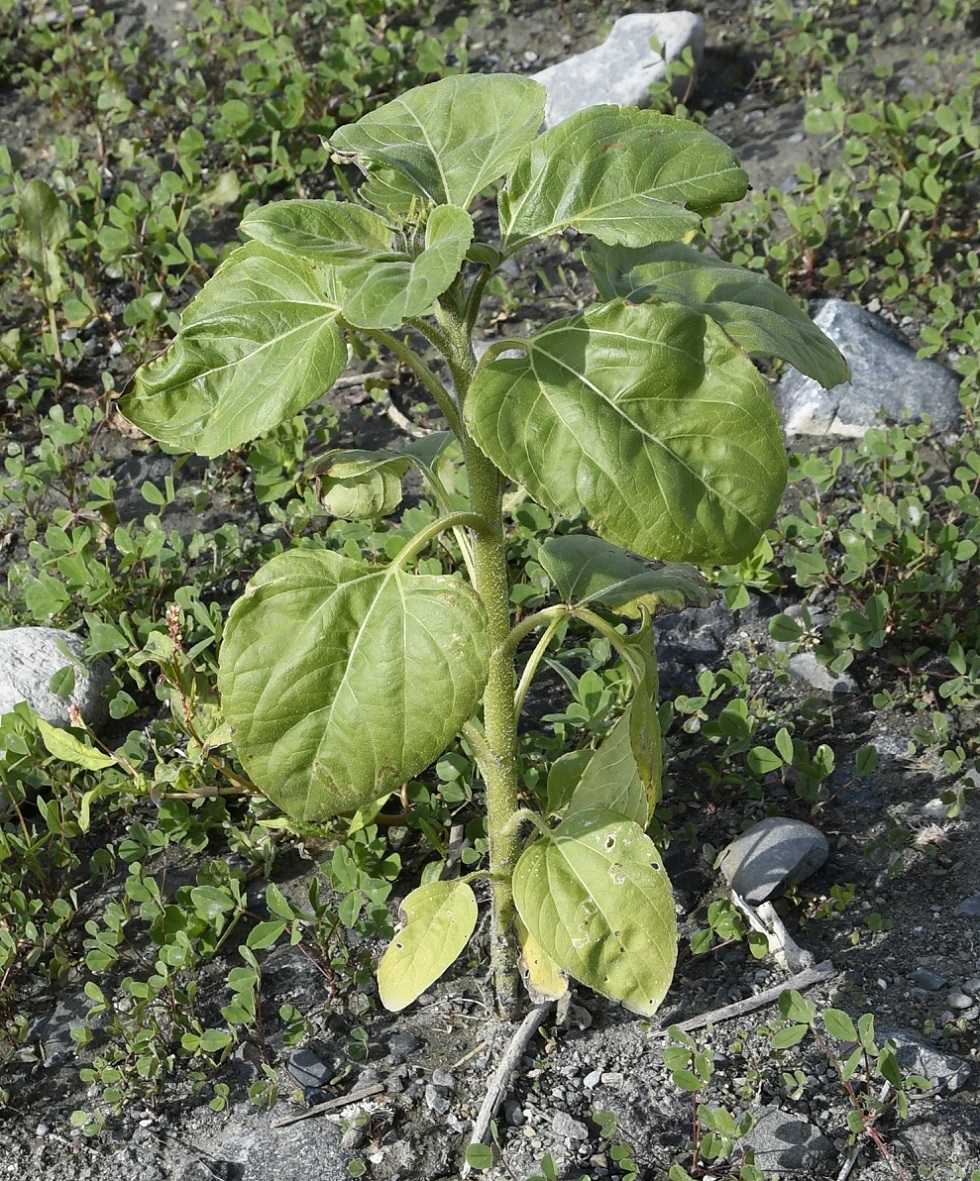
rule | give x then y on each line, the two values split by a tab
530	623
443	398
431	532
499	715
527	676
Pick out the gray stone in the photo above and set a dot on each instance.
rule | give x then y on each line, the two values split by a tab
942	1134
309	1069
568	1128
29	658
969	908
885	374
917	1055
805	667
52	1031
926	979
403	1044
771	853
783	1141
623	68
435	1100
244	1138
958	999
513	1113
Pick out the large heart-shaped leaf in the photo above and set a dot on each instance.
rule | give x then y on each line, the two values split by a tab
587	569
383	293
446	142
621	174
648	417
756	313
342	680
439	919
594	894
320	231
258	344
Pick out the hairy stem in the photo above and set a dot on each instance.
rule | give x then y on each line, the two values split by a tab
499	716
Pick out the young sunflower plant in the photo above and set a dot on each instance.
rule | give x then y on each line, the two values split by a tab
343	678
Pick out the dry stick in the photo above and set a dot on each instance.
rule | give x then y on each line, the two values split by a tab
804	979
498	1084
330	1105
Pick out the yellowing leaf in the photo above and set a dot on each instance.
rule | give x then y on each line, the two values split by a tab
544	980
439	919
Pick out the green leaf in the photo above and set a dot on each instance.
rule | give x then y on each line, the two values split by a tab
210	901
439	919
611	779
343	680
649	418
479	1156
762	761
264	934
563	778
65	746
753	311
792	1035
646	740
446	142
360	485
795	1007
587	569
839	1025
626	176
385	292
213	1040
43	228
258	344
320	231
686	1079
595	896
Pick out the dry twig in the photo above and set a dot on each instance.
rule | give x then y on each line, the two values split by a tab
498	1084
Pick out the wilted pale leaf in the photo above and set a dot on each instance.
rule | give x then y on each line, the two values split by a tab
611	779
587	569
544	980
439	919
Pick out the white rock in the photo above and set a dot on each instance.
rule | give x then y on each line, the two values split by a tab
767	855
624	67
885	374
29	658
805	667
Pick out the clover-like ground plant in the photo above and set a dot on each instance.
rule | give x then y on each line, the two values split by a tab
343	678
